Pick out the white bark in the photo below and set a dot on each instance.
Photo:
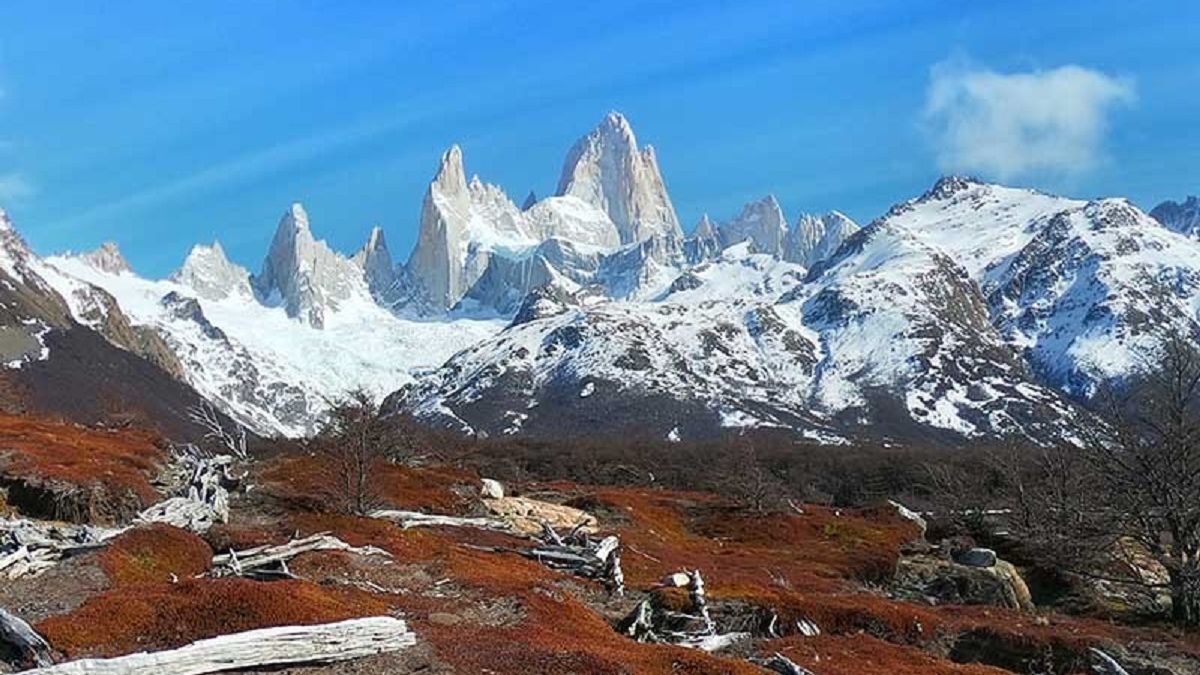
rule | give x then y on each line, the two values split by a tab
29	547
285	645
407	519
239	563
16	632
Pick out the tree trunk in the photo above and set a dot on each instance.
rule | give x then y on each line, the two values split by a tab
1185	596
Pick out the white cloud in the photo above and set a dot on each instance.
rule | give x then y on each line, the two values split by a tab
1007	125
14	186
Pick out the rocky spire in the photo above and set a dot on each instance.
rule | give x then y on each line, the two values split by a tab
303	274
705	242
209	273
816	238
107	258
530	200
607	170
439	260
762	223
378	268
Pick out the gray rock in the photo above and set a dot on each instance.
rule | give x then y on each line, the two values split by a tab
977	557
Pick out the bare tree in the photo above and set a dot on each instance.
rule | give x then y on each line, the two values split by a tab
748	479
355	441
1133	483
232	439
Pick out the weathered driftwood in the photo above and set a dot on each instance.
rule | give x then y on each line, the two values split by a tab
582	555
32	648
711	643
1105	664
30	547
273	559
206	483
695	629
286	645
407	519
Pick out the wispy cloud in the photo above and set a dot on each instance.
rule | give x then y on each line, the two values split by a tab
1006	125
14	187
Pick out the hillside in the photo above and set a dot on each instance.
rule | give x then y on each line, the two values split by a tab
819	586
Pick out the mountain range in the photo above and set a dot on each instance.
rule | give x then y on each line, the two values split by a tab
972	311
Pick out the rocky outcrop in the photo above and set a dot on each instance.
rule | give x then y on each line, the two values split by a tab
303	274
705	242
209	273
938	581
108	258
607	170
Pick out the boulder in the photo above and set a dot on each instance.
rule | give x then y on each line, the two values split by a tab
977	557
938	581
527	515
491	489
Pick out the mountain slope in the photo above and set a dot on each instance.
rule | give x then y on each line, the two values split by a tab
273	371
892	340
97	369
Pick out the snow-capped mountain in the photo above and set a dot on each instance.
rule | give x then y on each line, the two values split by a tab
1085	289
275	361
890	337
973	310
1183	218
303	274
68	349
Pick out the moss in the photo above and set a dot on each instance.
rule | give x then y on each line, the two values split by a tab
163	616
154	554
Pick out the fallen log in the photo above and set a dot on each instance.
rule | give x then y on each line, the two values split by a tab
32	648
255	649
30	547
407	519
250	561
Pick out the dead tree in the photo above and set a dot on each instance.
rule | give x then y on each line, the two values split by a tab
231	440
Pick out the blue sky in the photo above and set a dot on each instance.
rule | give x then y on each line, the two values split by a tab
161	124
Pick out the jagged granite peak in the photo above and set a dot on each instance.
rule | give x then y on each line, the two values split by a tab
460	225
107	258
607	170
762	223
816	237
1182	217
210	273
377	265
705	242
304	274
530	200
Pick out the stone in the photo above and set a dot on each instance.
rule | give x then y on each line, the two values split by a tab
977	557
527	515
491	489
